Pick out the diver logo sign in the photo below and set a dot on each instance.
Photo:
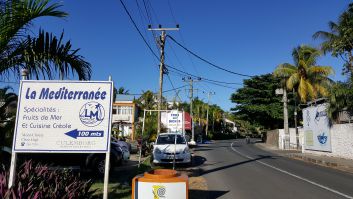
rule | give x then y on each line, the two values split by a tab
158	191
63	116
92	114
322	138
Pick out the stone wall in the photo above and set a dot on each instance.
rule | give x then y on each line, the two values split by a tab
272	138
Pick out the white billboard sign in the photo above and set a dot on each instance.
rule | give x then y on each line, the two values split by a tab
173	120
63	116
316	128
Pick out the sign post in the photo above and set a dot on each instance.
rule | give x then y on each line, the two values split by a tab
63	117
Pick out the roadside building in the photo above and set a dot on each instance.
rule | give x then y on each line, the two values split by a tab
124	116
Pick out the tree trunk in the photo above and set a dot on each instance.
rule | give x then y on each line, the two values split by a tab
350	64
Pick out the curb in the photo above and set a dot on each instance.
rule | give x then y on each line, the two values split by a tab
330	164
317	161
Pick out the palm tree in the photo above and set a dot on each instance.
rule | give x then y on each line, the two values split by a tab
120	91
42	55
307	78
147	100
340	100
123	91
8	103
339	40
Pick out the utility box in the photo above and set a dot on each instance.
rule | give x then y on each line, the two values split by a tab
160	184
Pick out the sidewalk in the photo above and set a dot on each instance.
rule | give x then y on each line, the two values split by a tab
323	160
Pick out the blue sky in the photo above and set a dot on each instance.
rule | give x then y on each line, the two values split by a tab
245	36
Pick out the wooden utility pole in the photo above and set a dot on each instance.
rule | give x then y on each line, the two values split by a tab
285	117
161	44
208	107
191	91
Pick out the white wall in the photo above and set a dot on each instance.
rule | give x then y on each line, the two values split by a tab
341	142
292	138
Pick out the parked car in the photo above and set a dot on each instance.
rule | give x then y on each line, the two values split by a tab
134	146
164	149
125	147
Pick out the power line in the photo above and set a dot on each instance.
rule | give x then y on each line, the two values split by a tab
134	94
182	38
209	81
208	62
186	73
138	30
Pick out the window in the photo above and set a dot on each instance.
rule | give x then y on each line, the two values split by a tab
114	111
169	139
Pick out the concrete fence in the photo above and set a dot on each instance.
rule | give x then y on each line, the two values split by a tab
341	140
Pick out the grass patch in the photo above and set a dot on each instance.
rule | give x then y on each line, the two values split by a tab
120	181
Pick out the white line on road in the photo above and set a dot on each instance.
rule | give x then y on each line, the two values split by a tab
291	174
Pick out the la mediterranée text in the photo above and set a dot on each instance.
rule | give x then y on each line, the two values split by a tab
66	93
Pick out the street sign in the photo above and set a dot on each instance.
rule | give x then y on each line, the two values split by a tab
173	120
63	116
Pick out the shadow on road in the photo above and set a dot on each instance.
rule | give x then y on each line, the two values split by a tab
205	194
202	172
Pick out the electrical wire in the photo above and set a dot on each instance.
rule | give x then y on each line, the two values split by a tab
182	73
169	90
182	39
138	30
206	61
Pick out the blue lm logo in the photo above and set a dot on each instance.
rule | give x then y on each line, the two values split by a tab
92	114
322	138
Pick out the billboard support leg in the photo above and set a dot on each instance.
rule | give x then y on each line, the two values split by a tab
12	169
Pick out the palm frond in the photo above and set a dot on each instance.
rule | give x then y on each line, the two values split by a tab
18	15
302	90
311	90
292	81
284	70
320	71
44	56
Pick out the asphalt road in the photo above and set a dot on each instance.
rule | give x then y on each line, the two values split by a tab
234	169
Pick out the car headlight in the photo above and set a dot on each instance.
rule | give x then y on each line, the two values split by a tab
157	151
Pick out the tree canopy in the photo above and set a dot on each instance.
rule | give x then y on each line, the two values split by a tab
339	39
257	105
43	55
307	78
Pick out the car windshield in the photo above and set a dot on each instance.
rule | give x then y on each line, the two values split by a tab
169	139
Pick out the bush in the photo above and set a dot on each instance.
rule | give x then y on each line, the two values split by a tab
38	181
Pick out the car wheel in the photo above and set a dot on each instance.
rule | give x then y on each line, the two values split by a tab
99	166
120	161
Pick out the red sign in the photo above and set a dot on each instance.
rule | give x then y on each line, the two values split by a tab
187	121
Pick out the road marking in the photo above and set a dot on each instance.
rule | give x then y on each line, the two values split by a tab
291	174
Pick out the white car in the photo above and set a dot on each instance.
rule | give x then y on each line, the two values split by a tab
164	148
